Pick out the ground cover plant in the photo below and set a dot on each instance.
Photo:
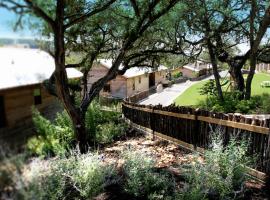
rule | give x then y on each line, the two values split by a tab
221	174
136	168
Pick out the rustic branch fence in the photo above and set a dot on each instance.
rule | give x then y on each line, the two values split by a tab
193	128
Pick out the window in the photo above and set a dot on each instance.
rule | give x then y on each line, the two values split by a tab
140	80
133	85
37	96
107	88
2	113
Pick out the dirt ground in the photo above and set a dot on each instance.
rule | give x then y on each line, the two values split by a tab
168	156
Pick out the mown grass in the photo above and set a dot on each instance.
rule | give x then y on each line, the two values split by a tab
192	96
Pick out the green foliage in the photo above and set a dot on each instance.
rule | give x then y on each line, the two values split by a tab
52	138
265	103
142	180
231	104
221	173
103	126
57	137
208	88
10	168
76	177
177	75
108	132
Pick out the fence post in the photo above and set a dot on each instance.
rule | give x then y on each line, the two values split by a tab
267	181
196	128
152	123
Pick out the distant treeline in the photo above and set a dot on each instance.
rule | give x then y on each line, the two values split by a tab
9	41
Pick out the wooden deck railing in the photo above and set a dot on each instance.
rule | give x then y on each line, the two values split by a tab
195	127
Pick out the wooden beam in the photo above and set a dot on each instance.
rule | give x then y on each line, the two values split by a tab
242	126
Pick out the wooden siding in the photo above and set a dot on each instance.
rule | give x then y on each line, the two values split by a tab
139	87
18	103
263	67
97	71
118	87
160	76
189	73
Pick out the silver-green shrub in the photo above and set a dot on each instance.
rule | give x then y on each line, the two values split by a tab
76	177
142	180
222	173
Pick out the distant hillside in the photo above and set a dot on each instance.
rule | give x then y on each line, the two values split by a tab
8	41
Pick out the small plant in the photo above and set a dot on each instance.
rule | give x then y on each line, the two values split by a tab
143	180
222	172
57	137
106	133
52	138
76	177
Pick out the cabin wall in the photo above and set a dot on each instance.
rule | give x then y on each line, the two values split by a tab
18	104
141	84
160	76
118	87
97	71
189	73
263	67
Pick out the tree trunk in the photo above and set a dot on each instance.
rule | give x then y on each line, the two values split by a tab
80	132
237	77
215	70
63	92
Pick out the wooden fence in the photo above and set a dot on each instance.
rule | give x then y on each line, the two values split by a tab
194	128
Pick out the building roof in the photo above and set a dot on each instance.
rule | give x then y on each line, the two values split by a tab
132	72
21	67
198	66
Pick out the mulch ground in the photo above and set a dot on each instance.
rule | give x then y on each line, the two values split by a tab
168	156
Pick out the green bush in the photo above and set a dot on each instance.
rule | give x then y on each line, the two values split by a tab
76	177
57	137
232	104
52	138
221	173
265	103
107	133
142	180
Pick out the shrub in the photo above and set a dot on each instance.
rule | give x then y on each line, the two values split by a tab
232	103
52	138
106	133
143	180
57	137
222	172
76	177
10	168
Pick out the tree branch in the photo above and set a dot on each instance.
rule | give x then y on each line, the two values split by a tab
88	14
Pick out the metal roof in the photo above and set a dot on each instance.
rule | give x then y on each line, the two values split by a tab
132	72
20	67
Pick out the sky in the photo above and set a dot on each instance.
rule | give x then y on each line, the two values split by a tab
8	18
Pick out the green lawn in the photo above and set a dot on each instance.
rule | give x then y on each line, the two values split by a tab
191	96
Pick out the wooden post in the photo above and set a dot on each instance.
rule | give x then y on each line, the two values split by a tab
152	123
196	127
267	171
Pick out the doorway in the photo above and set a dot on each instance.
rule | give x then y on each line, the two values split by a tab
2	112
151	79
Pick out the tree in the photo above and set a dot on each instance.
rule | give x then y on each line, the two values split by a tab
221	26
122	29
251	27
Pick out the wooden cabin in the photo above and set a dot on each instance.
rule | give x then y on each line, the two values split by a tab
263	67
135	80
196	69
22	72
